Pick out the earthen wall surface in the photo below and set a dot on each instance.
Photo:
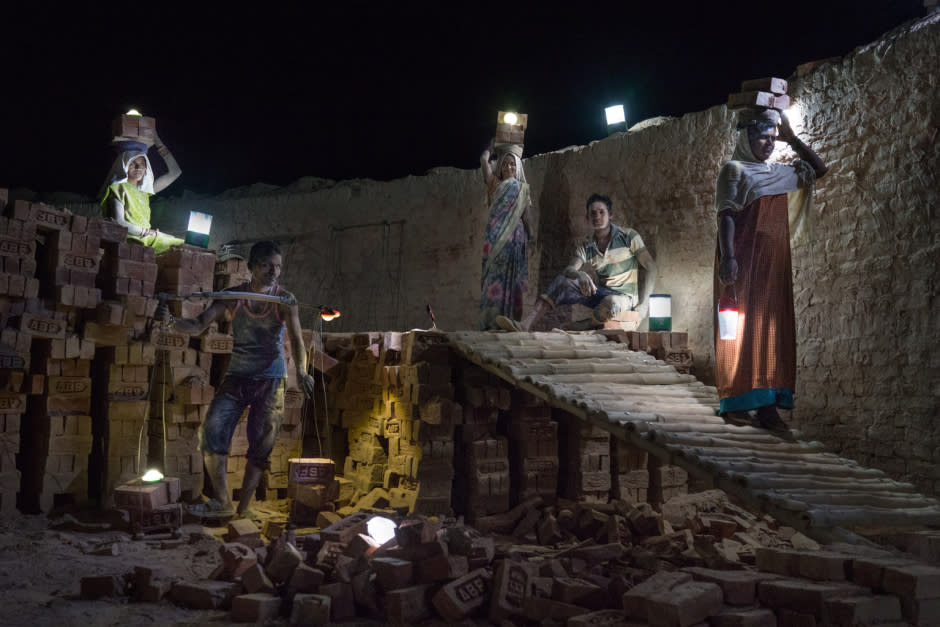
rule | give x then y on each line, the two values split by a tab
864	276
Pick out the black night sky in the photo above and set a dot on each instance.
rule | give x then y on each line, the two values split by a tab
377	89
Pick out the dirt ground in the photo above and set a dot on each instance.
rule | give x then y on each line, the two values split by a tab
43	559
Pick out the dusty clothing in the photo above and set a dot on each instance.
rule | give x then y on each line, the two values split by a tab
617	267
505	271
265	397
605	302
256	377
258	334
758	368
137	211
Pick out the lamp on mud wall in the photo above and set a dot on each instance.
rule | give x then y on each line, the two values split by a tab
197	232
660	312
616	119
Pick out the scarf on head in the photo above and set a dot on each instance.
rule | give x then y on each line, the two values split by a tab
744	179
118	172
520	173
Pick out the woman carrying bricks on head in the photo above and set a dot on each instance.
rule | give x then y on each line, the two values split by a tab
125	196
756	203
505	277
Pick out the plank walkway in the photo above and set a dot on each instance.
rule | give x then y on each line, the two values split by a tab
644	401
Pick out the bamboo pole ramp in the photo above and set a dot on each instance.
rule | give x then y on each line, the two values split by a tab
673	416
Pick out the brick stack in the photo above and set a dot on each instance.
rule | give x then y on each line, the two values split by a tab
12	407
483	455
428	418
185	269
363	410
70	265
671	347
394	397
55	441
586	464
230	273
182	389
631	479
666	482
533	448
55	461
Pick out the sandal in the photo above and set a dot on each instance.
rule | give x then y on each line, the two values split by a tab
508	324
210	509
769	419
738	418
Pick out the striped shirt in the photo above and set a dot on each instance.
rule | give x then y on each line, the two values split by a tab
616	268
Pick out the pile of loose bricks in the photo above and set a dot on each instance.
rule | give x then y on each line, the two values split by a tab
418	429
703	561
92	393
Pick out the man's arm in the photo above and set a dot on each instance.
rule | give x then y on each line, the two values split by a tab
298	351
192	326
649	284
585	282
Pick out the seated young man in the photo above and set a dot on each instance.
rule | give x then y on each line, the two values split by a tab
615	253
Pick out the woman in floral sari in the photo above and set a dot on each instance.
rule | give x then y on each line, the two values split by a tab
505	277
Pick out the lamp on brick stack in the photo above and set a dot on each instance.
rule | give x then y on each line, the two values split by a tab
197	231
660	312
133	131
510	132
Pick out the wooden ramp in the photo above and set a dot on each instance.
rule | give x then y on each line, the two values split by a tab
644	401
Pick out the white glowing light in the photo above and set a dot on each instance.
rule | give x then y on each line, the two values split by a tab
381	529
329	314
152	475
660	306
510	118
615	114
795	114
134	112
199	222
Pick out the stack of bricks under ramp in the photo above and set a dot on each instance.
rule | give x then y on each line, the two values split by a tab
392	398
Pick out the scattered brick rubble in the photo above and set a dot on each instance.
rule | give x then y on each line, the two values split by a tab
703	560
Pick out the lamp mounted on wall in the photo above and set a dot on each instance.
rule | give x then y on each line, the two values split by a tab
197	232
616	119
660	312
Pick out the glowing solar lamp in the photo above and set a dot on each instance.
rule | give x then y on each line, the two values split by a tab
510	129
134	112
616	119
381	529
197	232
660	312
152	476
328	313
727	318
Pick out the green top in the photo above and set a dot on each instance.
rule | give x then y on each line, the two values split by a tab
137	212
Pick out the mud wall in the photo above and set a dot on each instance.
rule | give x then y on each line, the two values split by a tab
864	276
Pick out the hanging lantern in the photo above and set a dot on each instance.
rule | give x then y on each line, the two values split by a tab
727	318
660	312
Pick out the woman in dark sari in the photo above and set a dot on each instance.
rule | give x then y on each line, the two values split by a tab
505	277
